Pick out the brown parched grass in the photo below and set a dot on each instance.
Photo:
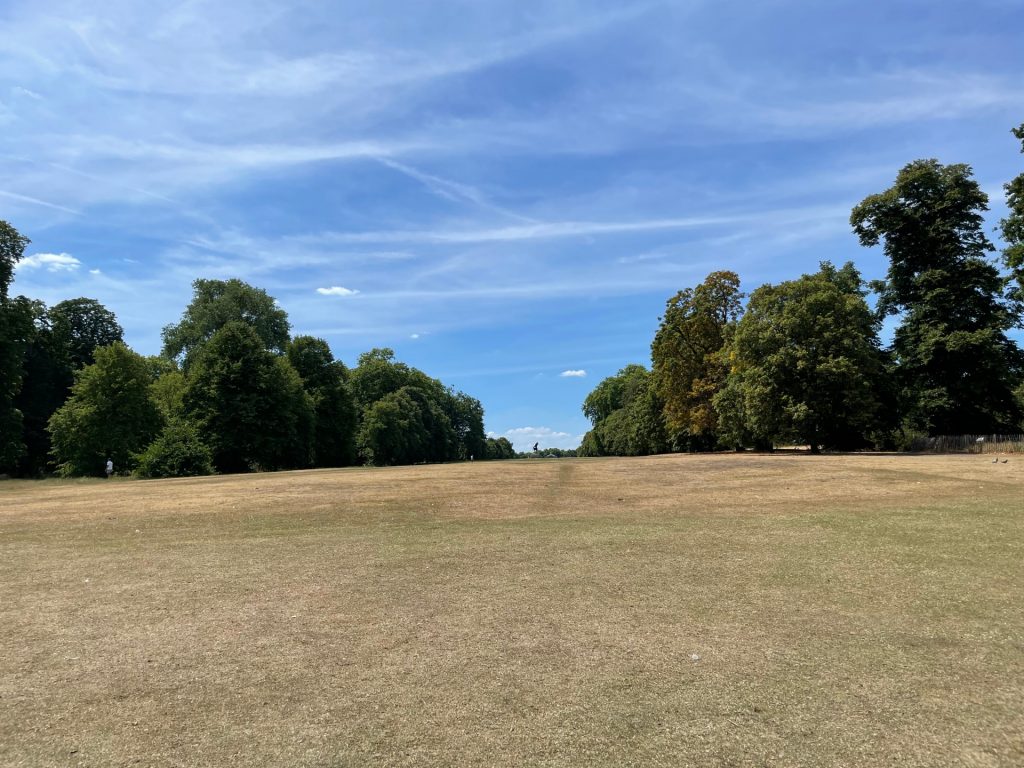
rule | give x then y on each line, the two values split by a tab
722	610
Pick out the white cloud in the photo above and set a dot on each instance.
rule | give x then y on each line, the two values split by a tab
26	92
414	336
578	373
95	272
37	201
539	231
51	262
337	290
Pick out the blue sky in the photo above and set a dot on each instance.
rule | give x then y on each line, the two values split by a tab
504	192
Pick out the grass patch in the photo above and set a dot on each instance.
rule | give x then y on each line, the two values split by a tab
859	610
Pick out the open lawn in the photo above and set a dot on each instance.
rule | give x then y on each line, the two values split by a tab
724	610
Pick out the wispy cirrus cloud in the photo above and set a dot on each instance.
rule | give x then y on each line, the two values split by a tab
576	373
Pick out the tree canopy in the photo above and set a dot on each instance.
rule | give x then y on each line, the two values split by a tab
109	414
956	368
689	368
15	330
248	404
326	382
79	327
805	363
1012	227
215	303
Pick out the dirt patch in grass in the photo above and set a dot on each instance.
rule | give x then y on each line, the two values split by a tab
706	610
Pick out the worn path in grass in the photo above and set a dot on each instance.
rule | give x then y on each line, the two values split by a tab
678	610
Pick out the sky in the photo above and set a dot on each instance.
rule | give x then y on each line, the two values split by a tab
505	192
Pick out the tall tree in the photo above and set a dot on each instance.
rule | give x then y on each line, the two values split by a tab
248	404
1013	227
215	303
47	382
15	330
63	339
466	416
955	366
109	414
326	381
626	413
378	374
393	430
79	327
688	364
12	248
805	362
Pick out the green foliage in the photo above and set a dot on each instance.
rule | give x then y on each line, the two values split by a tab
393	430
955	368
109	414
377	374
177	452
326	382
498	448
215	303
626	412
453	420
248	404
466	416
614	393
81	326
12	248
46	385
688	363
15	330
1012	227
805	361
168	393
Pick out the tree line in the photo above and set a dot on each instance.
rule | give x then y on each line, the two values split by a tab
801	362
231	391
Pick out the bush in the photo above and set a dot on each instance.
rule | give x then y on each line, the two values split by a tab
177	452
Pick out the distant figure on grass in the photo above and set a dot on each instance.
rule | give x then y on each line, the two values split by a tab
110	468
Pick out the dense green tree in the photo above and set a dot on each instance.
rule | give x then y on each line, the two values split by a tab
453	420
62	340
12	248
805	363
378	374
248	404
47	382
1012	227
955	367
499	448
466	416
687	354
178	451
109	414
80	327
626	413
392	430
168	393
215	303
326	382
16	329
614	392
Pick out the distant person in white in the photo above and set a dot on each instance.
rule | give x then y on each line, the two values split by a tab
110	468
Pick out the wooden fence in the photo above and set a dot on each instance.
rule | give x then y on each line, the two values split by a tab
969	444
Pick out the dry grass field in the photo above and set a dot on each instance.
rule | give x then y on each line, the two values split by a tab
670	611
